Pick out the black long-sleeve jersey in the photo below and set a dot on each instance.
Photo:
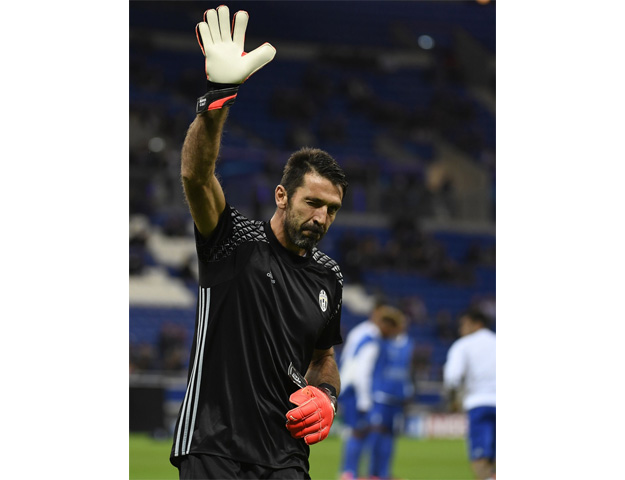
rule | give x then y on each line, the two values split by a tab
260	307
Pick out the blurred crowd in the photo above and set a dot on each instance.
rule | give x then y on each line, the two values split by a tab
390	148
410	250
386	143
169	354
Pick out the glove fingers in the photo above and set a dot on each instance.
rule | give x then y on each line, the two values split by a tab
299	430
210	17
203	36
300	418
223	13
259	57
311	435
303	411
317	437
239	25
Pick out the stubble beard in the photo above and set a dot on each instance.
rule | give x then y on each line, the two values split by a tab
296	233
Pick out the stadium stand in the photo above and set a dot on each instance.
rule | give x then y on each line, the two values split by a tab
413	127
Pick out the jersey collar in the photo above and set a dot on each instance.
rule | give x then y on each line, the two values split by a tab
284	253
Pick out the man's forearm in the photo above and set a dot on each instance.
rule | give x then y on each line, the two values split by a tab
201	146
323	369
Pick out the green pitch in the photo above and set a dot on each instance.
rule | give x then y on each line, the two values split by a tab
414	459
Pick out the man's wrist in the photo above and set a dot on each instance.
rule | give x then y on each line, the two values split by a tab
219	95
330	391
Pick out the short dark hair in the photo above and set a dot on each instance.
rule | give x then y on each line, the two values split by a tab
307	160
476	316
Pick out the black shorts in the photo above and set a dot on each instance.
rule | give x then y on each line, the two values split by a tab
199	467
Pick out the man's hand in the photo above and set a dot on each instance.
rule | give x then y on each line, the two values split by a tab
313	416
226	61
227	65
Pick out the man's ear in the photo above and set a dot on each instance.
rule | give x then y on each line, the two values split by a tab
281	197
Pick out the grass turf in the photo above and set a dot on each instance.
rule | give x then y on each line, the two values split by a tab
414	459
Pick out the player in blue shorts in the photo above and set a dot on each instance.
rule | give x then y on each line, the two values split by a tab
392	388
481	437
358	360
471	365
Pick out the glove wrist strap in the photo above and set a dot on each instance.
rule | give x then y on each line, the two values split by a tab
219	95
331	392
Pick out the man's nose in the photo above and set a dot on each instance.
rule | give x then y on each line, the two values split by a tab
320	216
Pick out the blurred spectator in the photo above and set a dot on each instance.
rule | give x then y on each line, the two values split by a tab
317	85
136	258
299	134
445	326
360	95
415	310
350	257
292	104
371	252
142	358
138	254
422	362
171	347
333	129
175	225
188	271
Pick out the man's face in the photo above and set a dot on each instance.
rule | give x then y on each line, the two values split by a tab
388	328
465	326
311	210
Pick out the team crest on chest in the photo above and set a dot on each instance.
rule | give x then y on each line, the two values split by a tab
323	300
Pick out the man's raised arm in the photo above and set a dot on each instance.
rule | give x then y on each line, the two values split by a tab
227	67
199	154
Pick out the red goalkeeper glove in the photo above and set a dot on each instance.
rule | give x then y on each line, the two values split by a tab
313	416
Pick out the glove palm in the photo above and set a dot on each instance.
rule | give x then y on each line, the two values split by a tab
226	60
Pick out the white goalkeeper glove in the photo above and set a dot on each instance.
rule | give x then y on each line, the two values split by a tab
227	64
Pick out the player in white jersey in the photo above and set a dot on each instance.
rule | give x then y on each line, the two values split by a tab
471	366
358	360
355	336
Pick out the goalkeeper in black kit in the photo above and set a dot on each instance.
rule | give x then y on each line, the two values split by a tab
269	302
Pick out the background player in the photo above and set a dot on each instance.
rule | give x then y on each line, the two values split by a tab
391	389
353	374
268	300
471	365
357	369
